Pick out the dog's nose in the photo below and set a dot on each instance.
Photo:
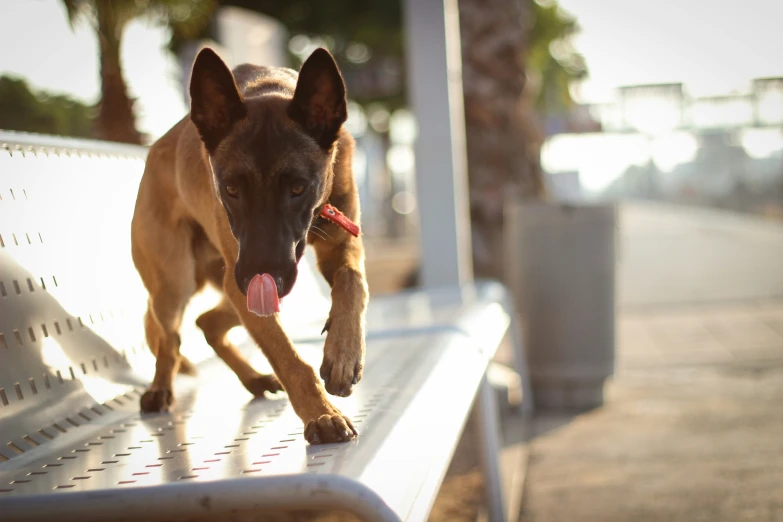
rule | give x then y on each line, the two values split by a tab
279	283
244	282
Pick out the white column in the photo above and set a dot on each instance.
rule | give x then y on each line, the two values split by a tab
435	88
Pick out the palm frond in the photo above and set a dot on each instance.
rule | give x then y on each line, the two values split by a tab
76	10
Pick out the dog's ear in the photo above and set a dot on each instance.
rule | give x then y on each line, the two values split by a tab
319	101
215	102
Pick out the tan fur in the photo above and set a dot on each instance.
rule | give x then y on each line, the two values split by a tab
181	241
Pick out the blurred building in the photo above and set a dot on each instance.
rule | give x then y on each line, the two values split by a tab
665	107
657	142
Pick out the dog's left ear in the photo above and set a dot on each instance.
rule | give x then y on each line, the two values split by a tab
319	101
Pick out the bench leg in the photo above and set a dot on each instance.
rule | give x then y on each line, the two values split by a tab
488	427
519	361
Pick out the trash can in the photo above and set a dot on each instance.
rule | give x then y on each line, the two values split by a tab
560	263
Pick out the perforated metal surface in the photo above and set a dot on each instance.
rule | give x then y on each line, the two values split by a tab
73	363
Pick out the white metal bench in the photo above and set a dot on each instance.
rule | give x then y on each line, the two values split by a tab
73	363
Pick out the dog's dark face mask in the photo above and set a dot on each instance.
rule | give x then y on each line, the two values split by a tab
271	159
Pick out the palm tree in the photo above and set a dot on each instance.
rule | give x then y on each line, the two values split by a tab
509	73
116	120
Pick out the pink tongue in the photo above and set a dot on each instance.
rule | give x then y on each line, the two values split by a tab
262	295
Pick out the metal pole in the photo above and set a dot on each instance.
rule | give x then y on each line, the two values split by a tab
435	85
434	58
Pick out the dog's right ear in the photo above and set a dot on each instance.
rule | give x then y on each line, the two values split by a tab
215	102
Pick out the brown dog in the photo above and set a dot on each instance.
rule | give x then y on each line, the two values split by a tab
233	192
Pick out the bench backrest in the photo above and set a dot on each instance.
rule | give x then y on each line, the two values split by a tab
71	301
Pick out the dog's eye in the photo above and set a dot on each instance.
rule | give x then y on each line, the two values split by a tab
232	191
297	190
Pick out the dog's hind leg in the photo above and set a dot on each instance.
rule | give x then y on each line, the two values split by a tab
215	324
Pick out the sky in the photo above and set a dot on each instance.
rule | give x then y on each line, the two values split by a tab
713	46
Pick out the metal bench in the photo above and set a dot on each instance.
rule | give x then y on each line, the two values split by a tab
73	364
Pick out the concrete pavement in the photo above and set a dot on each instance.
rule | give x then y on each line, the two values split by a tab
693	424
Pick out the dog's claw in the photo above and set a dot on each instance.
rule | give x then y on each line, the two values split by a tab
156	401
338	378
326	327
264	383
326	371
357	373
329	428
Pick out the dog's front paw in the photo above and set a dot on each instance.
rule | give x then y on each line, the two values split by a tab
343	359
263	383
332	427
156	401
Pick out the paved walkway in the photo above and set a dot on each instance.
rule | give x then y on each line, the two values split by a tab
693	425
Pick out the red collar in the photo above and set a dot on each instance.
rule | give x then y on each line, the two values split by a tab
337	217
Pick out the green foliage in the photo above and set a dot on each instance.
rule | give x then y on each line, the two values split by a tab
340	23
552	57
375	24
23	110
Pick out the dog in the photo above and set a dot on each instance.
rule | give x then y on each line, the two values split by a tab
230	196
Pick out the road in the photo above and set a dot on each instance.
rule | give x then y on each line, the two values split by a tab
672	255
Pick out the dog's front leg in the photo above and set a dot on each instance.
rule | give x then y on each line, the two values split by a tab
323	422
342	264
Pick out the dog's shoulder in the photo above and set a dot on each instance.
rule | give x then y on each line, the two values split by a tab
255	80
164	147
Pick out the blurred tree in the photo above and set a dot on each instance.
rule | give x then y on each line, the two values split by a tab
504	42
115	120
366	39
517	65
552	58
23	110
548	54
